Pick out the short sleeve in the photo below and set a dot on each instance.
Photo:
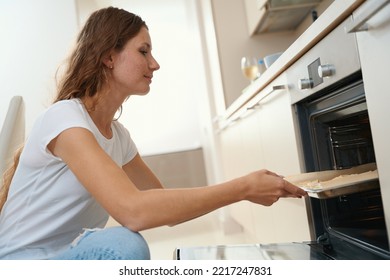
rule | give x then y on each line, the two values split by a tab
57	118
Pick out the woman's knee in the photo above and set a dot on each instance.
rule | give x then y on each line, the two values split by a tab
114	243
129	244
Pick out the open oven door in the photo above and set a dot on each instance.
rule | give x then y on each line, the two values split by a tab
321	185
275	251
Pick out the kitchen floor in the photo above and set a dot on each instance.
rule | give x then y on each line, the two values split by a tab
210	229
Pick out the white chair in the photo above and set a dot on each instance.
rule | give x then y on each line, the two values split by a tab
12	133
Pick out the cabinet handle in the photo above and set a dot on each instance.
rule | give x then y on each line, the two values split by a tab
245	112
360	24
228	123
274	88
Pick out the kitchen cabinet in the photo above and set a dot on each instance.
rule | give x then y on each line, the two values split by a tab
373	45
286	220
265	16
253	15
264	137
241	153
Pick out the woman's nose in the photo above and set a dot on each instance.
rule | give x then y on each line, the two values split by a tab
154	64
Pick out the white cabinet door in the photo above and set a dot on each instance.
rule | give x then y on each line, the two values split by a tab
241	153
266	139
374	46
288	216
277	130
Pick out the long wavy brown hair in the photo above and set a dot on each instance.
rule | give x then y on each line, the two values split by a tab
85	74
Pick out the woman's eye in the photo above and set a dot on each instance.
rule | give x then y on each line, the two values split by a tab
143	52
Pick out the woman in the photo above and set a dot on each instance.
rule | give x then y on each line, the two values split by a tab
79	166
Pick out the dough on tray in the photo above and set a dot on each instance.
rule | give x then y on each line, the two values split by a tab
339	181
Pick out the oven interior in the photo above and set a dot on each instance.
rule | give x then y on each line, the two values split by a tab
336	134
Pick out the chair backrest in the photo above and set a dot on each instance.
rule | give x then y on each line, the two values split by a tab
12	133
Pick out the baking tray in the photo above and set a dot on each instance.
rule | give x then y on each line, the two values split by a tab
333	183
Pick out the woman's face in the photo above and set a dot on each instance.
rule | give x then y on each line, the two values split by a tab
133	67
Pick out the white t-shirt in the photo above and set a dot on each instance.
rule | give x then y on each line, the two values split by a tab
47	207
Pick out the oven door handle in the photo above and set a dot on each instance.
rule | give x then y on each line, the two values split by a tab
360	24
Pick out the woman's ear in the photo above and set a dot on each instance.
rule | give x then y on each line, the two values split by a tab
108	61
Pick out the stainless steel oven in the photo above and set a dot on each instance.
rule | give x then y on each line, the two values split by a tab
335	130
333	125
334	133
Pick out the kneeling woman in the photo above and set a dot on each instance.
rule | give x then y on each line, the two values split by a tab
79	165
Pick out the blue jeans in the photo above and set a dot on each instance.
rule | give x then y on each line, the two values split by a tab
114	243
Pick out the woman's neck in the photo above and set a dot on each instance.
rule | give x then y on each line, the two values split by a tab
102	111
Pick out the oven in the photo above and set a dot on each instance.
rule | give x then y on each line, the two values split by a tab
335	134
333	130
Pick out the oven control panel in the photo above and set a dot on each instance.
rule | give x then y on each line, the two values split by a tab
315	76
332	59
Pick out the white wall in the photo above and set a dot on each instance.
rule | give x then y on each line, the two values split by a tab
35	36
167	118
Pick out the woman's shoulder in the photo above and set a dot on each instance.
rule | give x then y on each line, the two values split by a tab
65	111
64	105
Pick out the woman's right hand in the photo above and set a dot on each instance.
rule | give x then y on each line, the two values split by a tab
265	187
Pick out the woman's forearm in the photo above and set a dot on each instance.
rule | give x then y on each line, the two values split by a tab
158	207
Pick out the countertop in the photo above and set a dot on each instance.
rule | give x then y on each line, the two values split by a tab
337	12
